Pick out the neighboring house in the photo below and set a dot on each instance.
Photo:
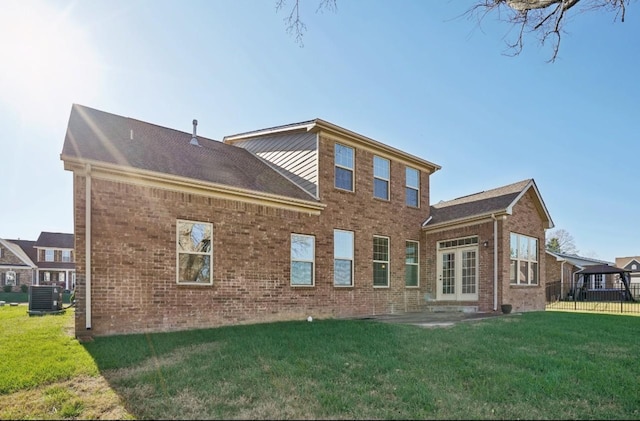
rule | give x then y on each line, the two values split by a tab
562	267
175	231
55	259
47	261
632	264
17	263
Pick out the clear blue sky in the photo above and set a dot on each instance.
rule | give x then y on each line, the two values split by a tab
410	74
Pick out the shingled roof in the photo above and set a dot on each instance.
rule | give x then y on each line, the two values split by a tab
28	247
95	136
55	240
483	204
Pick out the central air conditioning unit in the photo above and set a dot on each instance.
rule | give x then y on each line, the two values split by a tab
45	299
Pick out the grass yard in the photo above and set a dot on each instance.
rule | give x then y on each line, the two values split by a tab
543	365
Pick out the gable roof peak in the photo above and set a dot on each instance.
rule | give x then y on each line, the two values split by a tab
484	204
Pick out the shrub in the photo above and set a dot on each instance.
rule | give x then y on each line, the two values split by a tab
24	288
7	288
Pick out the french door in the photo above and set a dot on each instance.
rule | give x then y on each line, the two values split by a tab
458	274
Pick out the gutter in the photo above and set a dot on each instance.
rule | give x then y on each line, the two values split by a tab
495	262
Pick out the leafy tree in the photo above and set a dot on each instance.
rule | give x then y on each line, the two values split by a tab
542	18
561	241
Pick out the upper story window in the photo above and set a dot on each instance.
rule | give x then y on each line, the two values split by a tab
344	164
412	187
381	178
194	252
524	260
66	255
48	255
302	259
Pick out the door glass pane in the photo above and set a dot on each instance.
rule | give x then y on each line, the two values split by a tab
448	273
468	272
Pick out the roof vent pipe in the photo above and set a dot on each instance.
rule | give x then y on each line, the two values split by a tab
194	139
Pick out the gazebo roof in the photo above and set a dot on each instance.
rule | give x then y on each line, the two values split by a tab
601	270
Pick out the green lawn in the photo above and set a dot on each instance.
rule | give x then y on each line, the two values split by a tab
543	365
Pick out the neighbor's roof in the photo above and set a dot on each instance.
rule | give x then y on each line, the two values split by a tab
95	136
580	261
28	247
55	240
22	249
484	204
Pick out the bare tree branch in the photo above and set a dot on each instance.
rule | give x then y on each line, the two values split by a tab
295	25
544	18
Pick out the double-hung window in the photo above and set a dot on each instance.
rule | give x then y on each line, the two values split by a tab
381	178
344	164
302	259
342	258
380	261
194	252
524	260
48	255
412	264
412	187
66	255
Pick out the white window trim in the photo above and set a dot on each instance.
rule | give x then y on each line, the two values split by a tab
417	189
53	255
388	180
352	170
413	264
68	257
209	253
312	261
383	261
518	259
352	259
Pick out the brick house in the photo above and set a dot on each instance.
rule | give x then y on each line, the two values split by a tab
55	259
17	263
47	261
632	264
175	231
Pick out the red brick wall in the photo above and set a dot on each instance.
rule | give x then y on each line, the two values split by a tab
134	253
525	220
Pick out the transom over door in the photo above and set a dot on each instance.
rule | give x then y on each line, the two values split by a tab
458	274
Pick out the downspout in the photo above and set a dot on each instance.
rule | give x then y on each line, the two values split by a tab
87	215
562	277
495	262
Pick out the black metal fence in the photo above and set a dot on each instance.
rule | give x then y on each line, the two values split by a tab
608	300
